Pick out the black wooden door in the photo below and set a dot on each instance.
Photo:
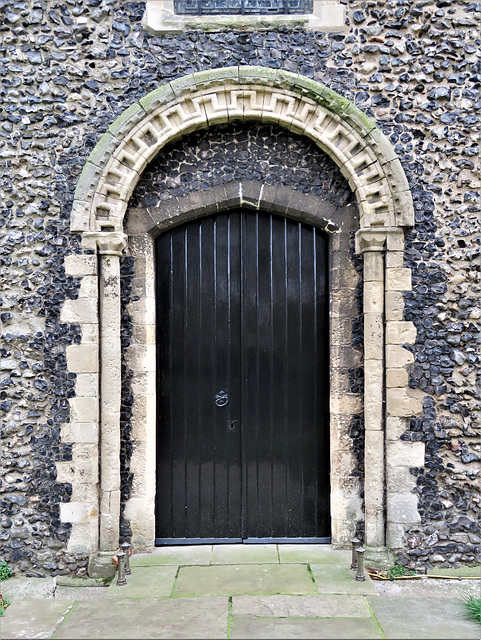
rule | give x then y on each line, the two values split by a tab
243	430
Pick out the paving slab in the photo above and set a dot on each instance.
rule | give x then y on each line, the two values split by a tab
30	588
335	578
231	580
429	587
144	619
180	555
329	628
245	554
145	582
423	617
33	618
347	606
313	553
80	593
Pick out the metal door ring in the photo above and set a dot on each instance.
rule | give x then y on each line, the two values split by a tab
221	399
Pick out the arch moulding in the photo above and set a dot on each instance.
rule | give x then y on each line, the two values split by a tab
364	156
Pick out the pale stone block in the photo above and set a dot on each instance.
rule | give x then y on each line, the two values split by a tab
395	535
373	336
343	305
143	383
80	432
344	356
397	378
81	265
373	266
143	463
142	357
339	382
345	403
399	403
327	16
398	279
374	470
143	333
82	472
345	507
90	333
399	479
348	278
395	240
87	384
143	308
77	511
84	409
140	512
394	259
82	358
373	407
79	311
342	463
397	356
395	427
394	305
403	453
403	508
341	532
84	538
341	331
109	531
374	527
110	457
373	297
400	332
88	287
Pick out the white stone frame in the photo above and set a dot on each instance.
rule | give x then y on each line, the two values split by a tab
160	18
367	160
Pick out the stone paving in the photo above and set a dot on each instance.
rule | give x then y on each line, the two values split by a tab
234	591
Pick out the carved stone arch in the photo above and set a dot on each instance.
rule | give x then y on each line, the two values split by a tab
303	106
368	161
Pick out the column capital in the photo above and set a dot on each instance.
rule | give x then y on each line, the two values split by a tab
107	243
380	238
370	240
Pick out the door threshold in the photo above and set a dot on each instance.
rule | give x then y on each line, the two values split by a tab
161	542
325	540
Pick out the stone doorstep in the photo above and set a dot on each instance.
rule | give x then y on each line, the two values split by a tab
257	579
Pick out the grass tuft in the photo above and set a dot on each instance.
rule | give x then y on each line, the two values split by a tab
5	571
473	607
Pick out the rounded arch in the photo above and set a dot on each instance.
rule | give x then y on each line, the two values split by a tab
348	136
368	161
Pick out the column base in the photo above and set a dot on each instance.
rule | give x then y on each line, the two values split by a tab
101	565
378	558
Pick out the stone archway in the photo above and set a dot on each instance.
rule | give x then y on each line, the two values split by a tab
366	159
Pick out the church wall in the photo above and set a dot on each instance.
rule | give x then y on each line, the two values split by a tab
67	70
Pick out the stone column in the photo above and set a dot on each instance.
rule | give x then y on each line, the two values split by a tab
110	246
371	243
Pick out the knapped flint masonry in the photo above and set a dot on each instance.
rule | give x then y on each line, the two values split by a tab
115	140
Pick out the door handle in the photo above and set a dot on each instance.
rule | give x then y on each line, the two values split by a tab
221	399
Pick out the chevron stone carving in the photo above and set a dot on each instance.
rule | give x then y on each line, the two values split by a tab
361	151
